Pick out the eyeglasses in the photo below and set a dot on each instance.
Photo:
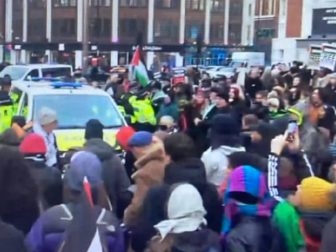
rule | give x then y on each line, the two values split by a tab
163	127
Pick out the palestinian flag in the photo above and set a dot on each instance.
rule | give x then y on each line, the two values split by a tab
82	235
139	68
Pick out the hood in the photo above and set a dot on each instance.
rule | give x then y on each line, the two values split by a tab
155	152
197	241
100	148
228	150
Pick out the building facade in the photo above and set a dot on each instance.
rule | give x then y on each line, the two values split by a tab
303	23
56	30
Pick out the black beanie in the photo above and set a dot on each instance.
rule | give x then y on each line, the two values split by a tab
94	129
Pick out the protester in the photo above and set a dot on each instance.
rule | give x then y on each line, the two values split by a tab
48	179
224	140
150	163
184	228
247	221
114	174
19	204
45	125
49	232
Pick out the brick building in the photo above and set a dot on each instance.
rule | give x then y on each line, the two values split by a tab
54	29
303	23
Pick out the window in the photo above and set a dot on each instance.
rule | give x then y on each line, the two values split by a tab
100	2
64	27
32	74
266	7
133	3
197	5
100	27
216	32
37	3
236	8
167	3
217	5
130	26
56	72
193	30
166	29
15	72
96	107
65	3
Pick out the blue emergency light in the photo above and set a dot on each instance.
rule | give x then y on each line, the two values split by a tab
52	79
60	84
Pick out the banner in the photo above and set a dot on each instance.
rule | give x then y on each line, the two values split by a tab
328	56
315	52
178	76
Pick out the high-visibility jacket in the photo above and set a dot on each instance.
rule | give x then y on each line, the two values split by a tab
15	99
6	114
143	110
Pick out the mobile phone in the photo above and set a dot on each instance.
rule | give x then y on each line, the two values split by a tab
291	130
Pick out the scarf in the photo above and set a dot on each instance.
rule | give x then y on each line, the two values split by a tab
185	211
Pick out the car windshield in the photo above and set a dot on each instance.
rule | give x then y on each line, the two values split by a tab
15	72
74	111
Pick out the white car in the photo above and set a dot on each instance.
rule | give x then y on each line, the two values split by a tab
220	71
19	73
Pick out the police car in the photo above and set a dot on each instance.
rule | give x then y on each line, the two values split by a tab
75	105
19	73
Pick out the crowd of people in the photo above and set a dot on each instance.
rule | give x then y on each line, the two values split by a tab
234	164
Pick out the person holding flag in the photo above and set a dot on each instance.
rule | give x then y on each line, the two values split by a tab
84	223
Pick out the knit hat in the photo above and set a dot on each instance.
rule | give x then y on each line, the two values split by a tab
46	116
33	144
315	194
124	135
140	139
224	124
94	129
83	164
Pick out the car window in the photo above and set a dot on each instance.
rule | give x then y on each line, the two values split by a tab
56	72
72	112
15	72
32	74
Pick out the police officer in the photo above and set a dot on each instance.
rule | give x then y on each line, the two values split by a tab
6	104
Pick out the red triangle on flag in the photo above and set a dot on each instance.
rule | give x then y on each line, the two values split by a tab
136	57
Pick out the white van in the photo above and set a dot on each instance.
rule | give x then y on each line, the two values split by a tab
249	59
20	73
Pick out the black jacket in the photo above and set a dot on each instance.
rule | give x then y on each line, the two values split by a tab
252	86
254	234
11	240
48	180
328	237
114	175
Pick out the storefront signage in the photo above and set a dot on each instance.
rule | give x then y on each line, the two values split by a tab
324	21
328	56
315	52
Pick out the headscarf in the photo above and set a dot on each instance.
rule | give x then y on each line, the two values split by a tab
185	211
249	180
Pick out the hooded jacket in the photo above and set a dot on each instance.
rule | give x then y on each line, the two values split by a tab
216	162
150	171
114	174
11	240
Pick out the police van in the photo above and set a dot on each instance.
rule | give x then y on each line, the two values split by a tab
75	105
19	73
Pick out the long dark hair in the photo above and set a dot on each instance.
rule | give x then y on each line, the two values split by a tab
18	189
